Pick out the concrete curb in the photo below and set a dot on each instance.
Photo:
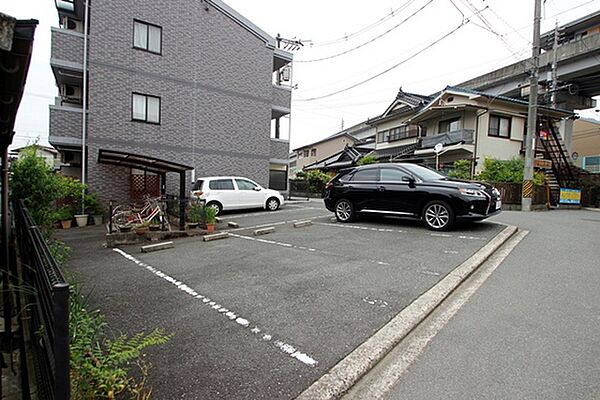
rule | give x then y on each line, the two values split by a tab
348	371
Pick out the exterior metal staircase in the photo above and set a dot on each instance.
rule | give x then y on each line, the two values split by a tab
563	173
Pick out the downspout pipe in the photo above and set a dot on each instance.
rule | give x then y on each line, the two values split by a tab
86	23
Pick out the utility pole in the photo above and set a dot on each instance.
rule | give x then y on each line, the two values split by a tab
527	192
554	87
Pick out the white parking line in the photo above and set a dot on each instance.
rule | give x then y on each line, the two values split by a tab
261	213
364	228
293	246
232	316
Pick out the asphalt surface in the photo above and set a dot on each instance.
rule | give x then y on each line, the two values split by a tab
531	330
263	317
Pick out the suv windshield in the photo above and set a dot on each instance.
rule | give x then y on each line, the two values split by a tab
423	172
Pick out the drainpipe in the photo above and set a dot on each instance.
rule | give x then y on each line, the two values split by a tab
5	142
85	105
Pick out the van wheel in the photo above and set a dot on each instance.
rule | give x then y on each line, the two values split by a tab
344	211
438	215
272	204
217	207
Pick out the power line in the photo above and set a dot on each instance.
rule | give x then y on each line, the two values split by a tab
346	37
463	23
369	41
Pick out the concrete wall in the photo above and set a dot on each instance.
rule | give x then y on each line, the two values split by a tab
214	80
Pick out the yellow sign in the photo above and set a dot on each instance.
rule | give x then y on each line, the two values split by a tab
570	196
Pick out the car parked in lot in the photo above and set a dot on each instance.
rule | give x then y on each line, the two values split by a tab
409	190
235	193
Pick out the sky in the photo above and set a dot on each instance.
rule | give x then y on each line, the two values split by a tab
356	54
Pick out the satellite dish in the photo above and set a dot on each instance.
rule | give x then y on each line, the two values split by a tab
438	147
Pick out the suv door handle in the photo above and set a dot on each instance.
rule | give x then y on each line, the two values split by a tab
381	188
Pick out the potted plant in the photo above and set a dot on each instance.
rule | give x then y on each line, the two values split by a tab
141	229
64	215
210	216
195	214
94	208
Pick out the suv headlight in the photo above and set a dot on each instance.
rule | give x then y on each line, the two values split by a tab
471	192
496	192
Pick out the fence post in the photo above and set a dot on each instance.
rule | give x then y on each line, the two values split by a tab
62	386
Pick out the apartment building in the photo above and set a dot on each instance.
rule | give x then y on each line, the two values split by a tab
173	87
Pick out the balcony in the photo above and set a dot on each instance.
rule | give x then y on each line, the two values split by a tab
462	135
281	101
65	126
66	58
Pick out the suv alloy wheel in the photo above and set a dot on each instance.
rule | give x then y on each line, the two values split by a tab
438	215
344	211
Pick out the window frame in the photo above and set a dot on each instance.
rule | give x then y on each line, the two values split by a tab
383	169
147	48
449	121
233	186
584	163
313	152
377	175
499	117
146	111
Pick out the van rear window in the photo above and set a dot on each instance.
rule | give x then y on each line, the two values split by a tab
197	185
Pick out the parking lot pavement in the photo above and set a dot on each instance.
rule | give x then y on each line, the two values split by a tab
265	316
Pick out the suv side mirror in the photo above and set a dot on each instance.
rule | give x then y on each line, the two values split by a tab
257	188
410	180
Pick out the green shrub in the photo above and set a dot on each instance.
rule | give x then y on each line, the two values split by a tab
461	169
33	181
316	180
101	366
367	160
195	213
210	215
510	171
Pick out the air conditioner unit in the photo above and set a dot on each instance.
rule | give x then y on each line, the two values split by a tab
286	74
70	93
72	24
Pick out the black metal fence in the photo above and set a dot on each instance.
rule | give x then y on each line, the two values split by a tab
48	308
299	188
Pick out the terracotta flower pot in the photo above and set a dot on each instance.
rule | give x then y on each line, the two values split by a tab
66	224
210	228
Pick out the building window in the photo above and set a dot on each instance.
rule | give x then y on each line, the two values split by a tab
313	152
147	37
449	125
591	164
499	126
145	108
306	153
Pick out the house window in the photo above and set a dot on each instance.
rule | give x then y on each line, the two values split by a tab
145	108
449	125
147	37
499	126
306	153
313	152
591	164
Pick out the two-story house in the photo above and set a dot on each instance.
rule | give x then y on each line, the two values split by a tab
174	89
319	154
467	124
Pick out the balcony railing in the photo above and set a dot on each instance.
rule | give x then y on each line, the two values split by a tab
65	121
463	135
67	48
282	98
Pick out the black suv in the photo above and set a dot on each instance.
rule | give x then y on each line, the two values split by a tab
409	190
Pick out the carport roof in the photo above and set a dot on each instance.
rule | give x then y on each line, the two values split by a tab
146	163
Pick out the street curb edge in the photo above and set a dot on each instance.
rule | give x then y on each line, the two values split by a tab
355	365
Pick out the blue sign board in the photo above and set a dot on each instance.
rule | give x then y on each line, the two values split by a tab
570	196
